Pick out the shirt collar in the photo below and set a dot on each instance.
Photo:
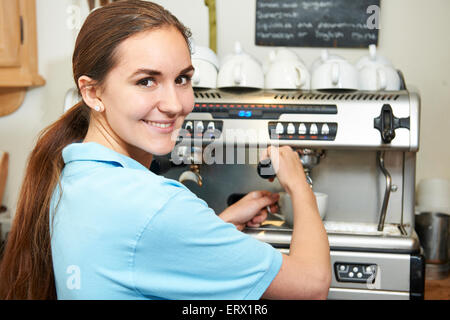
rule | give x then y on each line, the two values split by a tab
92	151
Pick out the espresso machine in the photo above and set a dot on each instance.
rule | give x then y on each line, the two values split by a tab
357	147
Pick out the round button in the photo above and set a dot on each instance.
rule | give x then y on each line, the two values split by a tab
351	274
200	127
290	128
188	125
302	128
279	129
355	269
325	129
342	268
359	275
313	129
211	126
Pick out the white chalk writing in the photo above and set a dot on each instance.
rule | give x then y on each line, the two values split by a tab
307	25
276	35
341	25
327	36
317	5
362	36
276	15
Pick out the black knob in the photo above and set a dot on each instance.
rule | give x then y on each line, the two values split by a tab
385	123
265	169
388	135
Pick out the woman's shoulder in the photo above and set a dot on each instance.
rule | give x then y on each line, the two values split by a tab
116	198
119	186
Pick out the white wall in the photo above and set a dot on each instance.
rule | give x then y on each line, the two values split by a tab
414	35
18	131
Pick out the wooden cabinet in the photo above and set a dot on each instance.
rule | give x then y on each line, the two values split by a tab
10	32
18	52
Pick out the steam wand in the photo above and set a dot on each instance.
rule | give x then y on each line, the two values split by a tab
387	192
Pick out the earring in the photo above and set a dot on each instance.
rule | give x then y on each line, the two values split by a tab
97	108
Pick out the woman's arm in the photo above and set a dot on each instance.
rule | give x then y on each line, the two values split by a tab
306	272
251	209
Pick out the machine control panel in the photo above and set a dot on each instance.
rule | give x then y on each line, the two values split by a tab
261	110
355	272
302	130
204	129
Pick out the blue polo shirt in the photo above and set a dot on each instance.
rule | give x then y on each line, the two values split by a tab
121	232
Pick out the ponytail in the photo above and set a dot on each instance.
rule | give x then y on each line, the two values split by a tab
26	270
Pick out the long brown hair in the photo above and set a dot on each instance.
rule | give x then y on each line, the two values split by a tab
26	269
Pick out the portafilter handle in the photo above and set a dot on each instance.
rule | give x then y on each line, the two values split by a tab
265	169
309	158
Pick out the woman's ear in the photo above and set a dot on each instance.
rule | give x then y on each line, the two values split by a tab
89	92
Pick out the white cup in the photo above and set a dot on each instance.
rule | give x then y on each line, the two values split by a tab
375	77
283	54
287	74
205	74
334	74
286	209
324	57
240	70
375	72
204	53
433	194
279	54
371	58
206	66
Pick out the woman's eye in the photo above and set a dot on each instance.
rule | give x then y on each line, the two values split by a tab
182	80
147	82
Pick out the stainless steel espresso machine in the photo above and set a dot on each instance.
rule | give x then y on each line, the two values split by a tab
357	147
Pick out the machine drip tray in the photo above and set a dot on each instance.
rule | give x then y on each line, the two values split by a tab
344	236
338	227
360	228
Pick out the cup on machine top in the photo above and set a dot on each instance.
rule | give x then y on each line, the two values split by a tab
376	73
333	72
206	65
240	70
285	70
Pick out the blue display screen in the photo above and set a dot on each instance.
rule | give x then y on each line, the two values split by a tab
245	114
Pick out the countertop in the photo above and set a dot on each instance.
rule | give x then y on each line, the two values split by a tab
437	289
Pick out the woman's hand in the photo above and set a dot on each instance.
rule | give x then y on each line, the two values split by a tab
251	210
288	167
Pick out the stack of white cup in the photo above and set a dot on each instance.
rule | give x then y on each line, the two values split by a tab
240	69
333	72
206	65
377	73
285	70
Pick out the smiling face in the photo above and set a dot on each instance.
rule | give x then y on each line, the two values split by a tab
147	95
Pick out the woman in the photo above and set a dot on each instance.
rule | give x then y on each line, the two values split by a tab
93	222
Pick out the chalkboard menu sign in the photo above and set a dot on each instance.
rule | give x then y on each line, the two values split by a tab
317	23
